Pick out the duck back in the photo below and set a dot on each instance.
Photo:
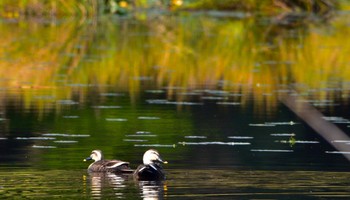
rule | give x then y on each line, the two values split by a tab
115	166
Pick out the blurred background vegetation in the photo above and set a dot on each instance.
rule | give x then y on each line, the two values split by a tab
16	8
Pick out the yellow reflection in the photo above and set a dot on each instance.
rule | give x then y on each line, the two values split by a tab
46	62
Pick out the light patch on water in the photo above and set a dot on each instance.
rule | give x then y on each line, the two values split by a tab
79	85
228	103
71	117
241	137
163	101
195	136
214	143
190	93
142	78
283	134
274	124
143	132
338	152
43	147
134	140
155	145
65	135
141	135
44	97
338	120
262	125
35	138
112	94
298	141
116	119
148	118
341	141
66	102
272	150
155	91
65	141
213	98
216	92
106	107
3	138
282	123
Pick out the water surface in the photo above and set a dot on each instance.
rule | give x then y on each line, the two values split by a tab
208	95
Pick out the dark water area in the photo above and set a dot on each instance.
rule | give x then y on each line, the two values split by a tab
225	136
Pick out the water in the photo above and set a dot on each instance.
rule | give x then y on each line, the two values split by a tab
223	127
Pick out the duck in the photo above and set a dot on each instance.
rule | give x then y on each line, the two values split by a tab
151	169
102	165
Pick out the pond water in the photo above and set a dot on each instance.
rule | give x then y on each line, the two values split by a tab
208	92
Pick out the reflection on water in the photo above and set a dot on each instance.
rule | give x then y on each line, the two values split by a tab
188	184
105	181
152	189
203	91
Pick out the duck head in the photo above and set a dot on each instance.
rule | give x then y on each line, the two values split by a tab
96	155
152	157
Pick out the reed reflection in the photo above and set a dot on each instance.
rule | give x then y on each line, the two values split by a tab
102	183
152	190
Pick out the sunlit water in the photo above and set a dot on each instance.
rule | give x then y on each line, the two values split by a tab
219	143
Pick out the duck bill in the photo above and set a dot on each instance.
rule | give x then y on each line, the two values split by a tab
162	161
88	158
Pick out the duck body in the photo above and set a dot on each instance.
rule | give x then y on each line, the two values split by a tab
116	166
151	170
102	165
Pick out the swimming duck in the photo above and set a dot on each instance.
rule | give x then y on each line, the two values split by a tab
151	170
102	165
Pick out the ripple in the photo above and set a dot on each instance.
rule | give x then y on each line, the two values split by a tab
116	119
228	103
337	152
283	134
262	125
163	101
43	147
155	91
338	120
241	137
134	140
143	132
298	141
112	94
148	118
65	141
272	150
35	138
141	135
71	117
215	143
65	135
106	107
341	141
155	145
66	102
268	124
195	137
